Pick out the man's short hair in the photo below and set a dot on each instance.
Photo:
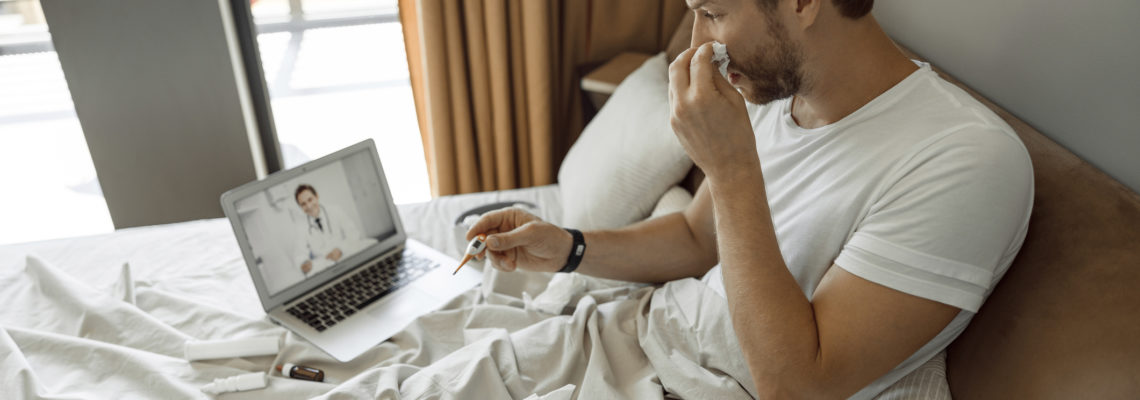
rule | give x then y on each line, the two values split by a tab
301	188
853	9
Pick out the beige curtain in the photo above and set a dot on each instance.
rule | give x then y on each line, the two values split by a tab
496	81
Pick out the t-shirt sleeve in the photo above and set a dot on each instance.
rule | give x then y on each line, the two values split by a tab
949	221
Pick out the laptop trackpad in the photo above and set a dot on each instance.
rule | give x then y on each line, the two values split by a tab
404	306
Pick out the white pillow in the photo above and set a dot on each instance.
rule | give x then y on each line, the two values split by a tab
626	158
675	199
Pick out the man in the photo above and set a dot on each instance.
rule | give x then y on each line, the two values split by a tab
860	208
329	232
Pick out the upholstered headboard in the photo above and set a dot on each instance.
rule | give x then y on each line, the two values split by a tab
1064	322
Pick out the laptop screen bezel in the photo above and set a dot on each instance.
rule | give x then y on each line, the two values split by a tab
229	201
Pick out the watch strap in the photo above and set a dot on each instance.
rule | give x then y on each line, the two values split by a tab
577	251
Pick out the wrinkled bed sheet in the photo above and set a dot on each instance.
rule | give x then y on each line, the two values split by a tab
107	317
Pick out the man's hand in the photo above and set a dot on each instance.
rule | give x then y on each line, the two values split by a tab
708	114
335	255
518	239
306	267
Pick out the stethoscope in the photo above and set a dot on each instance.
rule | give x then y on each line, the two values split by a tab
327	223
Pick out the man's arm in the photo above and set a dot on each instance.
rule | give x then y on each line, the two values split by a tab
850	333
670	247
852	330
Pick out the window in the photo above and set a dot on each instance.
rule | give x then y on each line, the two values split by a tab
50	188
337	74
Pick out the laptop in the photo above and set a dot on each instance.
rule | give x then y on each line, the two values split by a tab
329	256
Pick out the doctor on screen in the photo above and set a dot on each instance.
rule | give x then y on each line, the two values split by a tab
330	234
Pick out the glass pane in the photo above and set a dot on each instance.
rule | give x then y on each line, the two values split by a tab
334	86
269	9
340	7
44	159
21	17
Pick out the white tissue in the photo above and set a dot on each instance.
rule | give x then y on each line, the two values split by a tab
720	57
210	349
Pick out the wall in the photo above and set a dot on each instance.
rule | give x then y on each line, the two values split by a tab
369	196
1069	69
275	238
161	95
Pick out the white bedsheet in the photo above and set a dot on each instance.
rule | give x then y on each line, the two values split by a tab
107	316
77	323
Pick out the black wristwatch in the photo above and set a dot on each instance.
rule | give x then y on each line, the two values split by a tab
577	250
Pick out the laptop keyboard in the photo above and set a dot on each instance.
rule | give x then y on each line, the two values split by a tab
339	301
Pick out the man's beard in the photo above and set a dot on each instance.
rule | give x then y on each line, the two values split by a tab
774	73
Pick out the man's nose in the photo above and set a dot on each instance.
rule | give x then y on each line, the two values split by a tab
699	40
700	35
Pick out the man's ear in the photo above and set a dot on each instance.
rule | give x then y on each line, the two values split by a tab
806	12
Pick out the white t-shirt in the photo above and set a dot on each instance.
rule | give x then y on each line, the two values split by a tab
923	190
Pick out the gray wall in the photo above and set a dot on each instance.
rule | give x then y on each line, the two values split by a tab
1069	69
161	95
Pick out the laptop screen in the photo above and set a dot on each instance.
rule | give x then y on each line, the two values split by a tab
315	220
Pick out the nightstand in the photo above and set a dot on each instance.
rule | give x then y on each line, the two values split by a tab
600	83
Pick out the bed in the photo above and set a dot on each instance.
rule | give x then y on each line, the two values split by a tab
93	317
108	316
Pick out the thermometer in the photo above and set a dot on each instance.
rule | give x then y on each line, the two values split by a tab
476	246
